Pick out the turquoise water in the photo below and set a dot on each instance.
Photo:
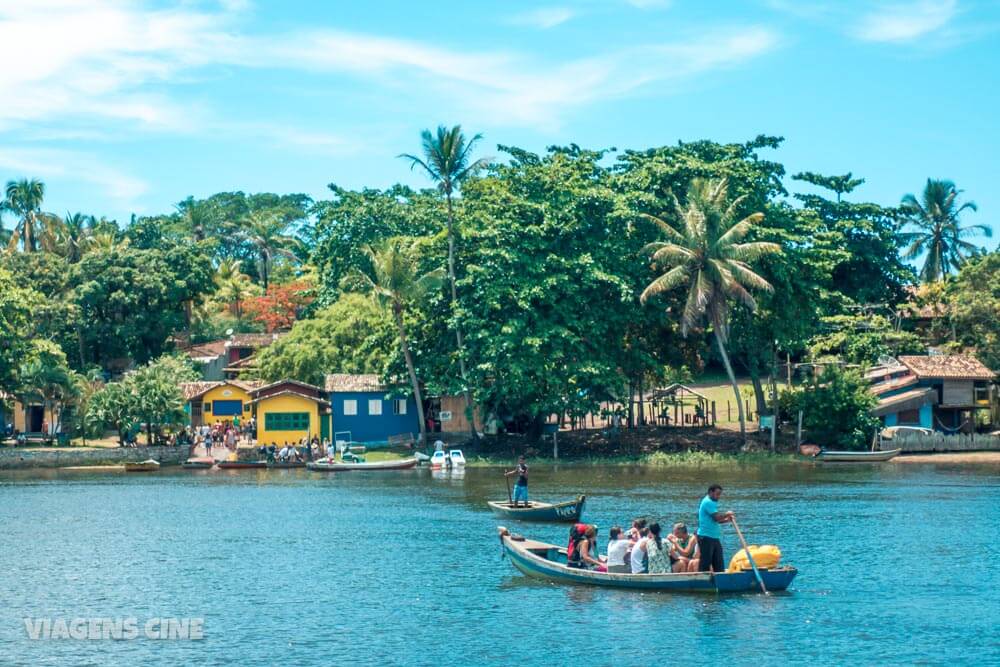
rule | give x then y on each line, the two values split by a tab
898	564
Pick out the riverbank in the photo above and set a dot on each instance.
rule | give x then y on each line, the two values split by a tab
950	457
21	458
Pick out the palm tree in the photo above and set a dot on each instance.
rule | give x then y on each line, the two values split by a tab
268	232
24	199
196	217
939	232
70	237
447	162
706	255
234	286
394	283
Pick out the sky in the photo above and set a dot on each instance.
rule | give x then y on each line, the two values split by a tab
129	106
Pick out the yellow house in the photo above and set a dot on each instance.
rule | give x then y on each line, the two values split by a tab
288	411
213	402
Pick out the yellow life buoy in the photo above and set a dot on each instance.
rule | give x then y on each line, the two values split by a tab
765	556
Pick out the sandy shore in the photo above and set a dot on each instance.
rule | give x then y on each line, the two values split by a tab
950	457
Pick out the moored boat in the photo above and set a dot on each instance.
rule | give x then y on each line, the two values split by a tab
548	561
149	465
831	456
456	458
199	463
241	465
327	465
570	510
286	464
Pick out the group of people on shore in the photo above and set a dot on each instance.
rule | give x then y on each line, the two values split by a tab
644	549
305	450
226	434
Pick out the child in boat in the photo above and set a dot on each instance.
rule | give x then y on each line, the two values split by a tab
637	557
618	548
685	553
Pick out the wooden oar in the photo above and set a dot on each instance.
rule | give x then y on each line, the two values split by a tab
510	498
756	573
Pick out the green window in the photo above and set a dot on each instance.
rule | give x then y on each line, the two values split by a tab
286	421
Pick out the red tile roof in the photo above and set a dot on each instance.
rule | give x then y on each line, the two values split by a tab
948	366
215	348
193	390
354	382
253	340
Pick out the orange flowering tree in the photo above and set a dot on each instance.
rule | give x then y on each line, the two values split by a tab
280	306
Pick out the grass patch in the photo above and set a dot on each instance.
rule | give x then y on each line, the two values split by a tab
656	459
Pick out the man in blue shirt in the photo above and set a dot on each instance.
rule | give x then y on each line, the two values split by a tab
710	530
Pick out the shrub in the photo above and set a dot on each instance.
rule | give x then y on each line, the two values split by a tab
836	409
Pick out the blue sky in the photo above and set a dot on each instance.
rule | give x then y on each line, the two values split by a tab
125	106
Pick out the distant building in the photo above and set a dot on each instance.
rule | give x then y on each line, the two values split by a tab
288	410
227	358
220	401
368	409
942	392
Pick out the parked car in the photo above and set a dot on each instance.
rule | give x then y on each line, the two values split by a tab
890	432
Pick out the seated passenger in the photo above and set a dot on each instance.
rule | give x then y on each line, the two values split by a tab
635	533
658	551
618	547
588	551
637	557
283	454
685	555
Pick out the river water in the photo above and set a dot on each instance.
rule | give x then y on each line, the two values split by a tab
897	564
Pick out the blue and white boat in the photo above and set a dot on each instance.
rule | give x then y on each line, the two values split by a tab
548	561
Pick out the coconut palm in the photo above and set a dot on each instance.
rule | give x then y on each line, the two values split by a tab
705	254
267	231
394	283
234	286
448	162
939	231
70	236
24	199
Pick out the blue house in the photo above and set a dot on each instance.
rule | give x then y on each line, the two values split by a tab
368	409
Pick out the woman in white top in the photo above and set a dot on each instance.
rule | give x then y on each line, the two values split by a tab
638	558
617	548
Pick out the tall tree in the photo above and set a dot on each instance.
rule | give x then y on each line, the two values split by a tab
268	232
71	236
706	255
234	286
395	282
939	233
448	162
24	199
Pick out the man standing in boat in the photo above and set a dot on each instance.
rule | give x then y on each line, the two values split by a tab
521	485
710	521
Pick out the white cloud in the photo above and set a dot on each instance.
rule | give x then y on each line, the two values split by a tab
50	163
544	17
906	22
649	4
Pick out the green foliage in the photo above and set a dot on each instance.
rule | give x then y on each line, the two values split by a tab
351	336
974	305
16	306
46	377
862	339
836	409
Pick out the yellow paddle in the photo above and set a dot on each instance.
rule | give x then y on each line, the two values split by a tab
756	573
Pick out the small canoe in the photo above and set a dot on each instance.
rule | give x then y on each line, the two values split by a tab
569	511
241	465
149	465
199	463
325	465
548	562
829	456
287	464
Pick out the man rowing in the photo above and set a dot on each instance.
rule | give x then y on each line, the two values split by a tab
521	486
710	521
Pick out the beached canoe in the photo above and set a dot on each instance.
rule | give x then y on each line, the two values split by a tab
199	463
568	511
241	465
286	464
548	561
326	465
829	456
149	465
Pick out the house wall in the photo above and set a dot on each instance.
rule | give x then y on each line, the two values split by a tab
18	416
365	427
226	392
926	417
274	404
458	423
957	392
212	371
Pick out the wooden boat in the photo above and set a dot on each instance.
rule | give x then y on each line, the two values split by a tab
570	511
421	458
241	465
286	464
326	465
830	456
148	465
548	561
199	463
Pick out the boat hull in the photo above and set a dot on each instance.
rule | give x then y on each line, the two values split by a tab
196	465
533	559
242	465
857	457
569	511
323	466
295	464
144	466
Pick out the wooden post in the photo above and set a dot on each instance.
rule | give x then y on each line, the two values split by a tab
798	431
713	413
555	444
729	411
676	423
